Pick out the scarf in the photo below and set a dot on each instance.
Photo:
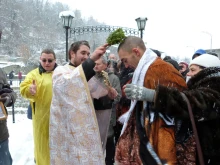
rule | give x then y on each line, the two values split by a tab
42	70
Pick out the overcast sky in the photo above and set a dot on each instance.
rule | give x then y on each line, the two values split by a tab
174	26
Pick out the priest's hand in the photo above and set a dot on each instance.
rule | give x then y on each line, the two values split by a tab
135	92
99	52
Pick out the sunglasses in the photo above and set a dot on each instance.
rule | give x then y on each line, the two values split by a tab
47	60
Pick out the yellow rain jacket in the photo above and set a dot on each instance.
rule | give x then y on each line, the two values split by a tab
40	112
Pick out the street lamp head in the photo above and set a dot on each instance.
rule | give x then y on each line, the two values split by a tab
141	22
67	17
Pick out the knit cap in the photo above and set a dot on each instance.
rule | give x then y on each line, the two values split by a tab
198	53
184	63
174	63
206	60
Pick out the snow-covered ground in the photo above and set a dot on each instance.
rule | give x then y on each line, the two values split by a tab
21	144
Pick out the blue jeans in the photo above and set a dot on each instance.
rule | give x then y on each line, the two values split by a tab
5	156
29	112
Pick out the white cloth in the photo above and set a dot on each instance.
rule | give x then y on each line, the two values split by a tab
96	88
74	133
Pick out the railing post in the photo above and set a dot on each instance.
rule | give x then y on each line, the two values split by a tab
13	113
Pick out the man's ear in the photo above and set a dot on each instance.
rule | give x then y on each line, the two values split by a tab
136	51
72	54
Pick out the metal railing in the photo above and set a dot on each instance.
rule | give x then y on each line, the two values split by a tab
102	28
21	104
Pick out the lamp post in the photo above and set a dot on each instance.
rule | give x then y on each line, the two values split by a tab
210	38
0	35
141	22
67	17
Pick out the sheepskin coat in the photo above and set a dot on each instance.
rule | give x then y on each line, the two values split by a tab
204	95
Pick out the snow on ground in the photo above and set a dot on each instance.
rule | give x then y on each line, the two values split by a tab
21	143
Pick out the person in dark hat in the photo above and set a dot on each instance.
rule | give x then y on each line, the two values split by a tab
157	52
166	58
198	53
172	62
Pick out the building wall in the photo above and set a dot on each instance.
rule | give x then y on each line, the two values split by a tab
217	51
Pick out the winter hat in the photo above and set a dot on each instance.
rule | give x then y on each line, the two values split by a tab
166	58
184	63
198	53
157	52
206	60
174	63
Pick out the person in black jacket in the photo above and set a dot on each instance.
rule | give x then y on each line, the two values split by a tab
7	98
11	76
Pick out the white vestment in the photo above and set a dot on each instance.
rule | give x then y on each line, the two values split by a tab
74	132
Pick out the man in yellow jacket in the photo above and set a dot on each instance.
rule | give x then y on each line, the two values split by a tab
37	87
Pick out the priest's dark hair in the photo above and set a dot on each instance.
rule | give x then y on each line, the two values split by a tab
76	45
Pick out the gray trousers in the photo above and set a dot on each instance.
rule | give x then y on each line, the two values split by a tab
103	118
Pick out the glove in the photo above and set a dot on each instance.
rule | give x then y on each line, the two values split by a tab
135	92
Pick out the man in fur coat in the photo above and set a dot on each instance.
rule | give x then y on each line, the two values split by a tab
147	137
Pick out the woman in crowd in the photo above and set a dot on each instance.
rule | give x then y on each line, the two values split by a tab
125	77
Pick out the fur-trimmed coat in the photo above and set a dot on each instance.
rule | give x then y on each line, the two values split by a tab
204	95
131	147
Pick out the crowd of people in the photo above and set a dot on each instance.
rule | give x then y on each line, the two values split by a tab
132	108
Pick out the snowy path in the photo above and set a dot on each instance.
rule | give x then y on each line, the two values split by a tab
21	140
